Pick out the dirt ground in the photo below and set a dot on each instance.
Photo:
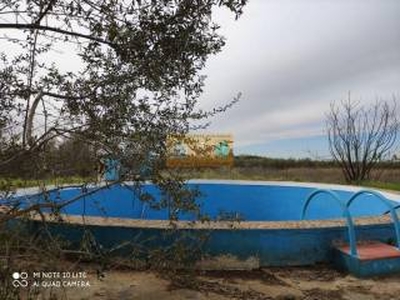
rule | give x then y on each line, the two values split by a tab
313	283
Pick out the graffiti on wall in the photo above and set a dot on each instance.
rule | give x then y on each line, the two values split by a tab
200	150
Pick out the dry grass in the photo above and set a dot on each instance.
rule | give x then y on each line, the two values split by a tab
386	178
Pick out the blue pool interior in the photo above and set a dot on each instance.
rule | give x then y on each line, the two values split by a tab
219	201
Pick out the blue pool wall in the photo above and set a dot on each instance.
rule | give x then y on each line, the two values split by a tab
270	247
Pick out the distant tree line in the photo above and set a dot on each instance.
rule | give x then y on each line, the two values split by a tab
73	157
63	158
254	161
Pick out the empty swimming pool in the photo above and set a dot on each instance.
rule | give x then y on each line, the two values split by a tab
266	223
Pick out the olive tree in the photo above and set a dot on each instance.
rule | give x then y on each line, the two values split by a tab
138	80
361	136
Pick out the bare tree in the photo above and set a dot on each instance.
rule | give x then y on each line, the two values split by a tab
361	136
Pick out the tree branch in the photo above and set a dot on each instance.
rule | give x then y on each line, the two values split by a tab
44	13
57	30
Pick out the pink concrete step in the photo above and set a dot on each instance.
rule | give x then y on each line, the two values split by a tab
373	251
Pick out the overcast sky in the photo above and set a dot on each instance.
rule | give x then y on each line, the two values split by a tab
291	59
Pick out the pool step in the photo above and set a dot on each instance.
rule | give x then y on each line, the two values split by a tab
374	258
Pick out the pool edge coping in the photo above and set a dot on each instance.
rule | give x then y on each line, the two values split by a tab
209	225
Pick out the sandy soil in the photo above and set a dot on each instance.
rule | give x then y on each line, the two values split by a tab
314	283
